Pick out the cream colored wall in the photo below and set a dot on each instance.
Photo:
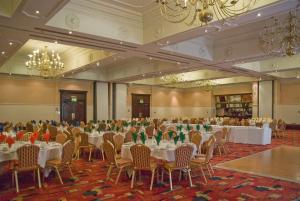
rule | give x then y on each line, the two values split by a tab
23	99
288	100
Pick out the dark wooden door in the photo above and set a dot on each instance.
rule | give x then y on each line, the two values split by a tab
140	105
73	106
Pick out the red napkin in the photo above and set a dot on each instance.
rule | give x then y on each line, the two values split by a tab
10	141
36	135
32	138
132	129
20	135
46	137
2	137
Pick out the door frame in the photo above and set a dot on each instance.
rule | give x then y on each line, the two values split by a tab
61	91
141	95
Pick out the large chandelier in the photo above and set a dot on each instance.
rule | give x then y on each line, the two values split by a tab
49	65
281	37
189	11
172	79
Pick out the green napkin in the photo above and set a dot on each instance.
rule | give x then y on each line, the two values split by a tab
158	137
170	133
182	137
198	127
134	136
176	138
143	137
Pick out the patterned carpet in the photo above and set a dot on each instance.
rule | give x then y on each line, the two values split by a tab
90	184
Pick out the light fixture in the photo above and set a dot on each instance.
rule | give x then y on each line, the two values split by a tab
298	76
258	15
55	42
37	12
172	78
10	43
281	37
205	30
204	11
70	32
97	64
49	65
3	52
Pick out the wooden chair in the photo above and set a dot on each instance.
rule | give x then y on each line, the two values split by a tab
204	161
29	127
118	142
113	162
183	155
27	161
84	143
197	139
53	132
220	141
65	161
142	161
61	138
149	131
109	136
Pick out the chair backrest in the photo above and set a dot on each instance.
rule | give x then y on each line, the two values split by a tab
109	136
140	156
210	148
29	127
84	140
219	137
67	152
183	155
61	138
166	135
118	141
26	136
149	131
52	131
28	156
109	152
163	128
197	139
128	137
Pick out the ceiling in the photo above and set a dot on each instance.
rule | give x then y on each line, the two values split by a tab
128	41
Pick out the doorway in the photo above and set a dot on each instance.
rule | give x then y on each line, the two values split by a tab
140	105
73	106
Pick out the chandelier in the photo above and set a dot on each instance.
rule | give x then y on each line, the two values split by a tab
49	65
281	37
188	11
172	79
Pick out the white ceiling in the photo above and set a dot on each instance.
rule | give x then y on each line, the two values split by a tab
141	44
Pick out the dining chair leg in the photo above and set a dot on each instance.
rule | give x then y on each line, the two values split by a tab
108	172
208	170
203	174
211	168
39	177
132	179
140	176
180	175
118	175
102	152
17	181
170	178
152	178
57	171
34	176
162	175
70	170
219	150
90	154
190	178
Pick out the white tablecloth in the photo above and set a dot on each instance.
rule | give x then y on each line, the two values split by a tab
165	151
47	152
96	138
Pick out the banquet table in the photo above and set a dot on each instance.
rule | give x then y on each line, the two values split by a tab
165	151
239	134
96	138
47	152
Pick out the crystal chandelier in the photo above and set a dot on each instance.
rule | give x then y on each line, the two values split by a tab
172	79
188	11
281	37
48	66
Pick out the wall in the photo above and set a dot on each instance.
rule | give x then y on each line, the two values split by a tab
121	110
102	101
23	99
265	99
288	100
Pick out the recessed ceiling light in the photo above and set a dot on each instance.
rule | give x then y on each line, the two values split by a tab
10	43
70	32
150	58
63	75
3	52
98	64
55	42
260	78
143	75
258	14
298	77
10	73
121	42
159	72
37	12
178	63
205	30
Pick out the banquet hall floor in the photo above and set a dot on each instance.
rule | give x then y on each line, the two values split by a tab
90	184
280	163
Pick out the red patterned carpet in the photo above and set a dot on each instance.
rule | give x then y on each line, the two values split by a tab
90	184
